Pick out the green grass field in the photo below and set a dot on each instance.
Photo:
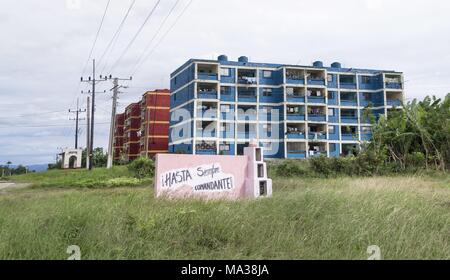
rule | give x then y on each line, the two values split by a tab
408	218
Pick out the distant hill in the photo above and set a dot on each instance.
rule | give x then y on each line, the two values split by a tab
38	167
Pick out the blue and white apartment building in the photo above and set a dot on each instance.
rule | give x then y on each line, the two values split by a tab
294	111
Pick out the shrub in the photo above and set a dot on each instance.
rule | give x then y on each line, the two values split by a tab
322	166
291	168
142	167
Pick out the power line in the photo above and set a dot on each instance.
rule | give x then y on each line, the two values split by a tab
96	38
135	35
162	38
155	35
112	43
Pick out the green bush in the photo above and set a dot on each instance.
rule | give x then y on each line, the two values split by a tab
291	168
142	167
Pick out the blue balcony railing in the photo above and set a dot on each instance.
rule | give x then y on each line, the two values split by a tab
333	119
293	98
207	76
316	153
317	135
366	136
348	85
317	117
349	136
394	102
332	101
349	119
316	81
345	102
316	99
207	94
295	81
296	154
295	135
392	85
295	117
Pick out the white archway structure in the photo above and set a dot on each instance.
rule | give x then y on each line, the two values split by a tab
75	155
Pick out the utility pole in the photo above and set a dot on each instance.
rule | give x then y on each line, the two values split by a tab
116	91
93	81
88	132
77	119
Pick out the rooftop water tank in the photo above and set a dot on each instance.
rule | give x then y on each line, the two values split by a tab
336	65
318	64
222	57
243	59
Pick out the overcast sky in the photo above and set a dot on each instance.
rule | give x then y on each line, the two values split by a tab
45	45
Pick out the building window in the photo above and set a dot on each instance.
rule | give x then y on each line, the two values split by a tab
329	78
331	129
330	112
267	74
224	71
175	80
267	92
330	95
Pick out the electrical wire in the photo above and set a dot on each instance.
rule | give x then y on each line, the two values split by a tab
112	43
135	36
162	38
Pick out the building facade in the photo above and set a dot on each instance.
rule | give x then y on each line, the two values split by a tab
118	136
155	106
132	132
294	111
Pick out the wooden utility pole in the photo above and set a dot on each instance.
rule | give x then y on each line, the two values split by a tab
88	132
77	119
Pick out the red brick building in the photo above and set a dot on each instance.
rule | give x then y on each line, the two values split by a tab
132	131
155	106
118	136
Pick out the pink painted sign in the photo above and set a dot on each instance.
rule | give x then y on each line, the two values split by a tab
212	176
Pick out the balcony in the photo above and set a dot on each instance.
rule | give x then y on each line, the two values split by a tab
317	149
317	117
316	96
207	72
227	94
347	81
295	94
247	95
207	94
246	131
247	113
295	131
332	98
205	111
349	136
349	116
295	76
393	82
316	77
296	150
317	113
247	76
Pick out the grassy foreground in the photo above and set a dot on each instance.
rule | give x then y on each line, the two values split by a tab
408	218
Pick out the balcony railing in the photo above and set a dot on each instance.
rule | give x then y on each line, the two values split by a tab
394	102
207	76
205	134
317	117
349	119
207	94
393	85
366	136
317	135
247	80
207	113
349	102
316	153
295	135
316	81
316	99
348	85
296	154
295	98
349	136
296	117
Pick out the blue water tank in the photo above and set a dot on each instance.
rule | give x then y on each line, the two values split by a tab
318	64
336	65
243	59
222	57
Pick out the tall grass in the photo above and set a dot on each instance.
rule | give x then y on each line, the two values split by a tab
96	178
408	218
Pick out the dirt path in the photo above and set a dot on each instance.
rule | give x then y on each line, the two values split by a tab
6	186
